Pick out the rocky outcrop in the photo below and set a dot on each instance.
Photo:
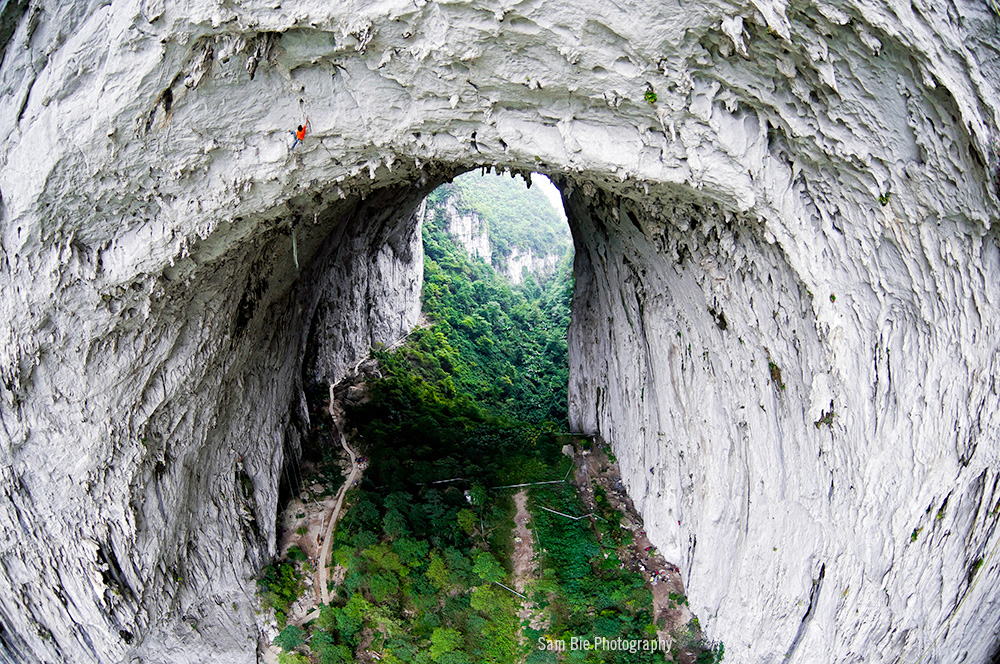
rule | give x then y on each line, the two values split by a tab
785	221
518	261
366	288
467	228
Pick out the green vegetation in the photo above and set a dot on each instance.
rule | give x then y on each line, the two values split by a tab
650	95
712	655
584	587
974	568
826	417
915	534
473	403
515	216
280	584
290	638
421	559
775	371
500	347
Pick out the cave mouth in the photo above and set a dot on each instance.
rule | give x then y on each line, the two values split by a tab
514	233
453	442
340	269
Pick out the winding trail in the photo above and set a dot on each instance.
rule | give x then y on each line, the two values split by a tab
324	554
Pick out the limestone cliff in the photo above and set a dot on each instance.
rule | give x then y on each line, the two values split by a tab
501	221
472	234
466	227
785	217
521	261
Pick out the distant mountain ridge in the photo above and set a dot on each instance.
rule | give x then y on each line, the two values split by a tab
497	218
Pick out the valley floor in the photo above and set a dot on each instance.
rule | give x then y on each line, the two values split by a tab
309	521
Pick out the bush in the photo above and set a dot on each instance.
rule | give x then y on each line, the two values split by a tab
650	95
290	638
711	655
328	651
280	585
488	569
444	640
292	658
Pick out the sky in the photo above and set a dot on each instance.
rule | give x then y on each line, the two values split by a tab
550	191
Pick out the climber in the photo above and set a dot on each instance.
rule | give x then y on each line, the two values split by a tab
300	133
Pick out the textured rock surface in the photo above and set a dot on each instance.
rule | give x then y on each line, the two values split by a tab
467	228
815	188
519	261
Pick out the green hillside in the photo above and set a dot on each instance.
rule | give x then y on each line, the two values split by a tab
516	216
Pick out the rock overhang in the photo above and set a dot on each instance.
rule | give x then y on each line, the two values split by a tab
795	156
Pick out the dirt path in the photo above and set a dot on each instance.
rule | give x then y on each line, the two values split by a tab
672	617
523	544
524	565
324	554
308	522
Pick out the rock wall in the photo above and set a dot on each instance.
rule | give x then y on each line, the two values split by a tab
795	449
472	234
142	536
518	262
368	286
801	184
468	229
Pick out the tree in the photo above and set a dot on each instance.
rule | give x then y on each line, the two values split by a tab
292	658
437	572
351	618
466	521
487	568
478	495
443	640
324	646
280	585
384	586
290	638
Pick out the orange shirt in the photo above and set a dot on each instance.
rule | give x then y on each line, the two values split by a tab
301	133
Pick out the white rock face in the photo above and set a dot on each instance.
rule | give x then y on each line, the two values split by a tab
366	291
518	261
472	233
468	229
815	187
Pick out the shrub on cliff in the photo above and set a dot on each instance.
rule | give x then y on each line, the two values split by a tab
279	585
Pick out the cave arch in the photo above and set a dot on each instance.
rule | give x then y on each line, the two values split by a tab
758	250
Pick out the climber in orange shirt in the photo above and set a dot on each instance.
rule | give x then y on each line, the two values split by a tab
300	133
